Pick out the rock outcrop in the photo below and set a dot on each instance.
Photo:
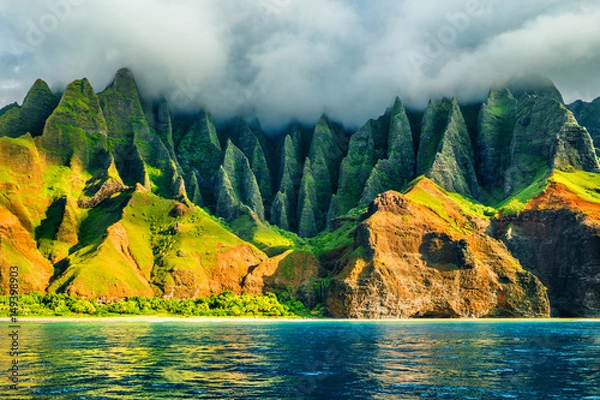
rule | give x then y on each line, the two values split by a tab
140	155
249	143
283	209
282	273
446	153
236	187
546	136
588	115
106	191
409	261
497	120
18	249
558	239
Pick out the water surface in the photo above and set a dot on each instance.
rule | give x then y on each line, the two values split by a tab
320	360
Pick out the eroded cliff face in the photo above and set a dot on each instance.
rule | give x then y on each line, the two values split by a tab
558	239
17	249
293	271
100	200
411	261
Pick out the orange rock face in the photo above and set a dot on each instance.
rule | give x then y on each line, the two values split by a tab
408	261
17	248
292	271
558	239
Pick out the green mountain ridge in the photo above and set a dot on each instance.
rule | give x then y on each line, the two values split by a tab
119	182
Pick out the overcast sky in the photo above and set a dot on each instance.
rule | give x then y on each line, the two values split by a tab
296	59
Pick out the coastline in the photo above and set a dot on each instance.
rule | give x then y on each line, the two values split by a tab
175	319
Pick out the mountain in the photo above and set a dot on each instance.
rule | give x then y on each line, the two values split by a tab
442	265
39	103
446	153
588	115
380	158
556	238
452	211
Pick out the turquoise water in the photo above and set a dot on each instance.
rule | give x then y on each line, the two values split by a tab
320	360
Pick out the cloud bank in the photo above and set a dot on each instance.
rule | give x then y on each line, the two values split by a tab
296	59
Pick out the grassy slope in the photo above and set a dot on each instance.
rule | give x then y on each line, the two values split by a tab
151	244
270	239
153	240
585	185
21	173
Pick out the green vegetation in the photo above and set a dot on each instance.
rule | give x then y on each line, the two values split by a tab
472	207
307	211
194	234
57	182
588	115
136	148
268	238
517	202
237	186
10	122
423	197
323	187
226	304
585	185
355	171
385	176
343	236
31	117
75	133
434	123
444	203
324	143
247	141
320	179
199	148
497	121
453	167
149	237
394	172
283	209
21	170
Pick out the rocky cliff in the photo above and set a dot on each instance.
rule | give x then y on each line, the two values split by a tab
414	260
588	115
557	237
101	196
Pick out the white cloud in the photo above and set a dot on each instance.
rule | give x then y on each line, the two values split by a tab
284	59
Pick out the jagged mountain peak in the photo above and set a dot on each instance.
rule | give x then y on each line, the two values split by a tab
31	117
538	85
37	92
80	86
124	83
314	180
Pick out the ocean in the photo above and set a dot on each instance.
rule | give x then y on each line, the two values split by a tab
417	359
